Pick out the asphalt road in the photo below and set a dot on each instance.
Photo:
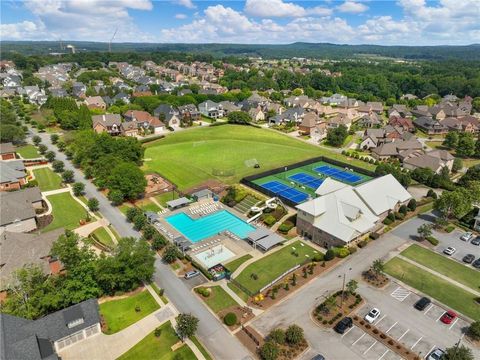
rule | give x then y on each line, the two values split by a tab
218	340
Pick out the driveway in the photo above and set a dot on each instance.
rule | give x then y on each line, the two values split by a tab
214	336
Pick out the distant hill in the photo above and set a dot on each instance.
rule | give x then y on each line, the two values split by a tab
299	49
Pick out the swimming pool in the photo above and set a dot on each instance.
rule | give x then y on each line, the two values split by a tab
198	229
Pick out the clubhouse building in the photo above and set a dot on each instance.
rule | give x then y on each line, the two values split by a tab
343	214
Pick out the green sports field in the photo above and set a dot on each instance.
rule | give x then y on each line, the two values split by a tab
227	153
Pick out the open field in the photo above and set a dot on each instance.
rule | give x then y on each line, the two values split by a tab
119	314
190	157
159	348
431	285
27	152
218	299
271	266
67	212
47	179
439	263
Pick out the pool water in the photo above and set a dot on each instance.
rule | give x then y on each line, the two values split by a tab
198	229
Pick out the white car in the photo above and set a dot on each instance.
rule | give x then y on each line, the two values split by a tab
467	236
372	315
436	354
449	251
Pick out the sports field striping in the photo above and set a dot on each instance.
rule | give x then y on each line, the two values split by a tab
299	184
287	192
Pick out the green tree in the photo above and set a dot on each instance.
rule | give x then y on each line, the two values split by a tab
128	179
424	231
294	334
92	204
458	353
455	203
378	266
50	156
116	197
54	138
170	254
336	136
68	176
139	221
473	330
352	286
78	188
277	336
132	212
58	166
451	140
187	325
238	117
457	165
466	145
148	232
36	140
42	149
269	351
158	242
329	255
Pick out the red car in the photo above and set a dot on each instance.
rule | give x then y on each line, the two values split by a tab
448	317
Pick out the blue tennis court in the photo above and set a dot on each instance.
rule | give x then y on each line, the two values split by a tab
338	174
285	191
307	180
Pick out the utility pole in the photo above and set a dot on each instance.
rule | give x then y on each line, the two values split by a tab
457	345
343	285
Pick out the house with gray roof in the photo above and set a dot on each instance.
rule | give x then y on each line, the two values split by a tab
109	123
43	338
19	209
12	175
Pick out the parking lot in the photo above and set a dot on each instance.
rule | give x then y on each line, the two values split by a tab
453	240
420	331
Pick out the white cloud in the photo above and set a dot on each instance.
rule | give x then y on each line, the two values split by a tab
23	30
180	16
278	8
352	7
187	3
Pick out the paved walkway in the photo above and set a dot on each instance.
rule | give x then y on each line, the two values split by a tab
237	298
433	272
87	229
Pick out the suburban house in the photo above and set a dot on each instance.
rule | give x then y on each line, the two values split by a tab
19	249
256	114
229	107
430	126
339	120
7	151
95	102
189	112
144	120
399	110
109	123
43	338
19	209
319	132
398	149
168	115
369	121
295	114
79	89
342	214
129	128
12	175
121	96
403	123
211	109
469	124
308	123
435	160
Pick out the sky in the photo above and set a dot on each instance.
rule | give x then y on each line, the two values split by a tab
387	22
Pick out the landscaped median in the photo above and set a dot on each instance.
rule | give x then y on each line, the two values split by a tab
434	286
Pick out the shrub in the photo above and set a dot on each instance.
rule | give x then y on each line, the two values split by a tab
157	332
450	228
318	257
387	221
230	319
343	252
269	351
391	216
399	216
329	255
352	249
431	194
362	244
294	334
374	236
412	204
432	240
269	220
277	336
286	227
403	209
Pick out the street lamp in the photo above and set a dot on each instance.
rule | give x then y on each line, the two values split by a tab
343	285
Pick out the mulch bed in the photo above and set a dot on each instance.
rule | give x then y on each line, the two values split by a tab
243	314
328	317
376	280
251	339
288	352
270	300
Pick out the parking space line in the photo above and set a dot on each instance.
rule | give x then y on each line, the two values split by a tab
391	327
429	351
348	331
385	353
370	347
405	333
383	317
358	339
430	308
450	328
416	342
439	318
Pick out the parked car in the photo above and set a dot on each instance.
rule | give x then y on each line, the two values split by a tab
436	354
468	258
476	263
372	315
318	357
449	251
343	325
422	303
476	241
467	236
192	274
448	317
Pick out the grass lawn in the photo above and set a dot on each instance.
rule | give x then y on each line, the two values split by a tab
237	291
147	205
200	347
159	348
233	265
454	270
67	212
470	162
162	199
271	266
115	233
47	179
27	152
451	295
104	237
188	158
119	314
218	299
124	207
